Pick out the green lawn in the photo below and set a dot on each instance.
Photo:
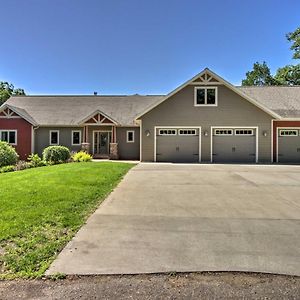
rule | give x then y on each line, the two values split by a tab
41	209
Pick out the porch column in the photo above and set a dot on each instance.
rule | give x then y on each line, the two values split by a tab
113	147
85	146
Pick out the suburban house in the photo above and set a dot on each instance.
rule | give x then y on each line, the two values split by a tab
206	119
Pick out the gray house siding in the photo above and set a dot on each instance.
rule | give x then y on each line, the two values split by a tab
128	150
232	110
42	138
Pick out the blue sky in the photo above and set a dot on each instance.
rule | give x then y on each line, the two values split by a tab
136	46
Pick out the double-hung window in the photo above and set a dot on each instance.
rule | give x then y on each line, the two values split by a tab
9	136
54	137
76	137
130	136
206	96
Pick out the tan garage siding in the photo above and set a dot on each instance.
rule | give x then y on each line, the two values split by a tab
232	110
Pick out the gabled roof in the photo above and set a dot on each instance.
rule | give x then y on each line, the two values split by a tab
71	110
19	111
283	100
204	78
98	114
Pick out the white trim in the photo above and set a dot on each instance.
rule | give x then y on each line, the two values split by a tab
32	139
244	134
223	134
72	138
288	135
93	145
178	127
233	127
272	142
187	134
221	80
133	139
174	131
50	132
8	131
205	88
141	140
277	144
98	122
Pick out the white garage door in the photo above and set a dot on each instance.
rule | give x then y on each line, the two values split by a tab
177	145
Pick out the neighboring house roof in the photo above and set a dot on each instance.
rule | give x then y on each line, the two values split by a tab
72	110
283	100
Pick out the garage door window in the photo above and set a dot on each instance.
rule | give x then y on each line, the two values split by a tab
244	132
223	132
187	132
287	132
167	132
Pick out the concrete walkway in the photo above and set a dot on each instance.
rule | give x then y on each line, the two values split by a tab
172	217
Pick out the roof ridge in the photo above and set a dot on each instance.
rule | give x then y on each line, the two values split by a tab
267	86
93	96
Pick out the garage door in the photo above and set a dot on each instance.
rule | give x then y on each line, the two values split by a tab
234	145
177	145
289	145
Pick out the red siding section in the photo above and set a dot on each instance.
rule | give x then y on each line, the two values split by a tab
23	128
277	124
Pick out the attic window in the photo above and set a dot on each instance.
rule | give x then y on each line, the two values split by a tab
206	96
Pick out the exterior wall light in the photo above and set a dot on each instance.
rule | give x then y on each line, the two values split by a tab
265	133
205	133
147	132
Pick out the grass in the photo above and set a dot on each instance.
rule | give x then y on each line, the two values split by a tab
41	209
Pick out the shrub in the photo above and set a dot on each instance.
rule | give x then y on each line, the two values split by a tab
22	165
81	156
8	155
56	154
7	169
35	161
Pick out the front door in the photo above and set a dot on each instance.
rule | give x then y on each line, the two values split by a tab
101	142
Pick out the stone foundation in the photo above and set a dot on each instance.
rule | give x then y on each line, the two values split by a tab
113	150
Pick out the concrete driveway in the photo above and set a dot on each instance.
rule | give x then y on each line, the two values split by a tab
173	217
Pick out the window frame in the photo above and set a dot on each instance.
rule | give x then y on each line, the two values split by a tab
244	134
167	134
284	130
8	131
72	137
50	133
205	88
222	134
188	129
127	136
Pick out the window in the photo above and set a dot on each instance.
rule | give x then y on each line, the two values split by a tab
76	137
130	136
244	132
223	132
167	132
206	96
9	136
288	132
54	137
187	131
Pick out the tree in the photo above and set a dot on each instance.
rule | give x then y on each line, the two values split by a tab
7	90
259	76
288	75
294	37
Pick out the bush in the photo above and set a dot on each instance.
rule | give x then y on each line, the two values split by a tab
22	165
35	161
81	156
7	169
8	155
56	154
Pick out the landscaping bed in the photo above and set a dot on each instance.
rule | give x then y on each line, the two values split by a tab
42	209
